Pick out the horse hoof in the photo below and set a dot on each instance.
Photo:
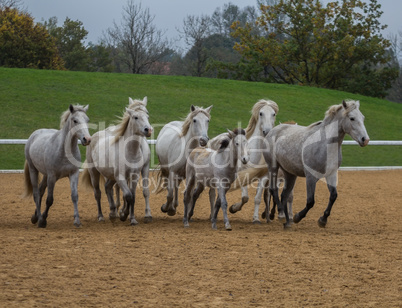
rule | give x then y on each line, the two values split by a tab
112	217
171	212
321	222
256	222
282	217
148	219
186	225
101	219
296	218
228	227
163	208
34	219
263	215
214	227
133	222
287	226
232	210
42	223
272	216
77	224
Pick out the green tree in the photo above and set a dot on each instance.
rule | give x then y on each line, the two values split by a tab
26	44
70	42
307	43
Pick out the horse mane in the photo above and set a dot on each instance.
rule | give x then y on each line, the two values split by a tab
122	125
189	119
66	114
136	103
255	113
225	142
334	109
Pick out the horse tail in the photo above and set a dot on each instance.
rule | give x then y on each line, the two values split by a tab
161	175
27	181
247	176
86	178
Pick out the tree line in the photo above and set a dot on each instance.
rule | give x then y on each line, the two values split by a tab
336	46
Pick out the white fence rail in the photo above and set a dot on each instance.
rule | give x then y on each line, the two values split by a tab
345	142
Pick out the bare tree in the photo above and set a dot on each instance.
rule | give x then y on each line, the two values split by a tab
10	3
139	43
195	30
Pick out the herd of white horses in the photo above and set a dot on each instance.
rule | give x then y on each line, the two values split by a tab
119	157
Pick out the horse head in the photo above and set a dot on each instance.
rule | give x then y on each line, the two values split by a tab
353	122
139	120
240	144
200	123
79	124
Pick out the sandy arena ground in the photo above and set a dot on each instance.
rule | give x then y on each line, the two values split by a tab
354	262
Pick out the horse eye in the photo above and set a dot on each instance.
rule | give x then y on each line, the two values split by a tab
352	119
75	121
260	114
195	121
274	114
135	118
237	143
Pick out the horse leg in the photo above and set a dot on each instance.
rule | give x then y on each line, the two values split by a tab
33	173
212	200
133	221
51	181
74	196
215	213
176	194
289	184
290	206
117	193
109	193
95	175
273	188
145	193
187	199
167	207
257	199
239	205
331	184
224	205
311	182
197	192
42	188
129	198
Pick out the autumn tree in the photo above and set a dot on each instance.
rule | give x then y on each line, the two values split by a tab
25	44
332	46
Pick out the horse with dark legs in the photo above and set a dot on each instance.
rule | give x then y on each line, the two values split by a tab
216	170
55	154
174	144
119	156
313	152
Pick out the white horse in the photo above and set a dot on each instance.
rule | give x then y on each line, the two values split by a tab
120	156
55	154
174	144
217	170
262	120
312	152
133	104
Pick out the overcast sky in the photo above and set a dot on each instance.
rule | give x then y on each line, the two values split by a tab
98	15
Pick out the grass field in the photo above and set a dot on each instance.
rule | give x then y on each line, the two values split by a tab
32	99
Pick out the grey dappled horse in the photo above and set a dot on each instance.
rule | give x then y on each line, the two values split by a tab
217	170
174	144
312	152
55	154
119	156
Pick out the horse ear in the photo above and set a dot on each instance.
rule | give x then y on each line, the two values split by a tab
145	100
86	108
357	104
130	101
209	109
192	108
71	108
344	104
231	134
130	111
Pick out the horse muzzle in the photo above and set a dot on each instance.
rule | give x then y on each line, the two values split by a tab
203	141
86	140
364	141
148	131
